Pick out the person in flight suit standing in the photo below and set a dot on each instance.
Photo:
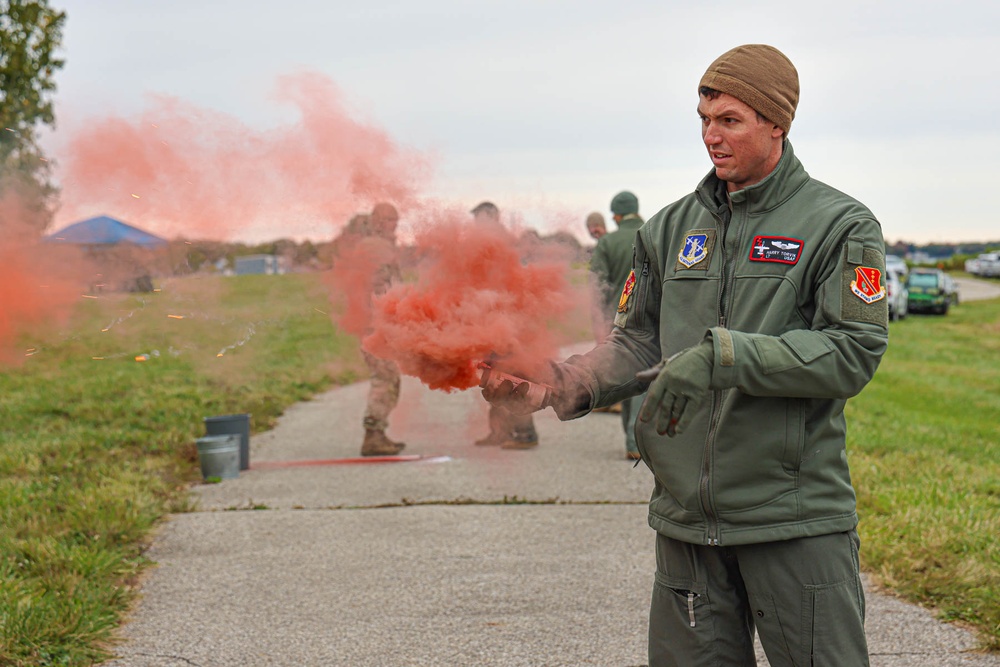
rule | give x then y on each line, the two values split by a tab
758	307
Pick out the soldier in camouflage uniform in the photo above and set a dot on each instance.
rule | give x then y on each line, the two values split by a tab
610	267
507	430
383	395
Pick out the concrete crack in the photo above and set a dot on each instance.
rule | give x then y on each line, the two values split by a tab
251	505
169	657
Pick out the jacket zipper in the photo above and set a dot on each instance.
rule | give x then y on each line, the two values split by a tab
728	269
691	597
643	286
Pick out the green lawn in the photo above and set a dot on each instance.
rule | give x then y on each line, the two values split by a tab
93	451
95	447
924	447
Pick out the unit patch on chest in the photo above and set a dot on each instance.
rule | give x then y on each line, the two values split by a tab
696	250
780	249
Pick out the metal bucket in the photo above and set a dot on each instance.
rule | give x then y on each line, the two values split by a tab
238	424
219	456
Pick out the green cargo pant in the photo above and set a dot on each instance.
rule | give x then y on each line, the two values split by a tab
804	597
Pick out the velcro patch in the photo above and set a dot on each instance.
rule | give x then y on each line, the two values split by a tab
863	292
780	249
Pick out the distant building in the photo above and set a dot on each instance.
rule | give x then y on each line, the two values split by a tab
257	264
921	257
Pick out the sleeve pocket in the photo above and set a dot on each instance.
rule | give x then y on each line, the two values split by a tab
807	345
791	350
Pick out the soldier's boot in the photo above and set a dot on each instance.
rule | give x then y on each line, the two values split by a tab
492	439
378	444
499	429
521	439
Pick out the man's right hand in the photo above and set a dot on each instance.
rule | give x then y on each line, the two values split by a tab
516	395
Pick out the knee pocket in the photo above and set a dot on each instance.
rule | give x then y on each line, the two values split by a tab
825	628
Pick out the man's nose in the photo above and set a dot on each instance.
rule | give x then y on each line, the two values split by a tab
710	134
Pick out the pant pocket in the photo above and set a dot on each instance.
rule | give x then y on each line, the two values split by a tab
824	628
681	628
836	631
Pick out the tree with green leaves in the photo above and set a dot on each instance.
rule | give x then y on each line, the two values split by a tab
30	35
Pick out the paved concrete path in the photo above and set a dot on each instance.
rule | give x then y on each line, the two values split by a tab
974	289
475	556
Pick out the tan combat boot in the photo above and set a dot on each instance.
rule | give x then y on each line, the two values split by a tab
378	444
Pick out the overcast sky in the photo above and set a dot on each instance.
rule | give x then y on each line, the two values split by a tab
551	107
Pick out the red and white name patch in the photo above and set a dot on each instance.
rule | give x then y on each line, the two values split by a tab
780	249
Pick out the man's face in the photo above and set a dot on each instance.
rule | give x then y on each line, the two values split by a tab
384	223
743	148
597	232
486	216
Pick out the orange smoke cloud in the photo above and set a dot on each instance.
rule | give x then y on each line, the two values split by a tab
39	284
181	170
352	280
473	297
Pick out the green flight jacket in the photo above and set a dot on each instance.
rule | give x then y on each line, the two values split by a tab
612	261
786	280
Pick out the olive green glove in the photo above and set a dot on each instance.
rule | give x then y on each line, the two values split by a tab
679	385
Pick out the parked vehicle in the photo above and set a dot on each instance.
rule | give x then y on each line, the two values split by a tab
931	290
896	294
898	264
986	265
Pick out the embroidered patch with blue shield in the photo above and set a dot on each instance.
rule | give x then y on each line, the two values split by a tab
696	248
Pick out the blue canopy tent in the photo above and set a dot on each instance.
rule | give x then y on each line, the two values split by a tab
105	230
122	251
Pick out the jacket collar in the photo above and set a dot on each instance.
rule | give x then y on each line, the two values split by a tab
769	193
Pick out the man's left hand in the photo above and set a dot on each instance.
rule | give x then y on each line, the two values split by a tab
678	388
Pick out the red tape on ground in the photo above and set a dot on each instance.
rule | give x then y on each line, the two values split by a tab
405	458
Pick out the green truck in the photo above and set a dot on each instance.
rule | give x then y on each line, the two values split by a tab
930	291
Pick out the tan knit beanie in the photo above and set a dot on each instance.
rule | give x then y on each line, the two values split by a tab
760	76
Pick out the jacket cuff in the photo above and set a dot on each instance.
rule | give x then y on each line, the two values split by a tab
571	398
724	368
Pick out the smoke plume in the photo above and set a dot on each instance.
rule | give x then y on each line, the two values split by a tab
474	296
179	170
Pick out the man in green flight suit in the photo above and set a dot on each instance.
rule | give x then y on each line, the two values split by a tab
758	305
610	267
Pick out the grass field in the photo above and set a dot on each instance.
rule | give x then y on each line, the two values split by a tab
924	447
96	446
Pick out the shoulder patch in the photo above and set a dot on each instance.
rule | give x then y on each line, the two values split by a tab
867	284
863	293
695	250
780	249
627	290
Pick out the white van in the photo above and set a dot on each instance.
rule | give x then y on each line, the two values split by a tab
896	293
